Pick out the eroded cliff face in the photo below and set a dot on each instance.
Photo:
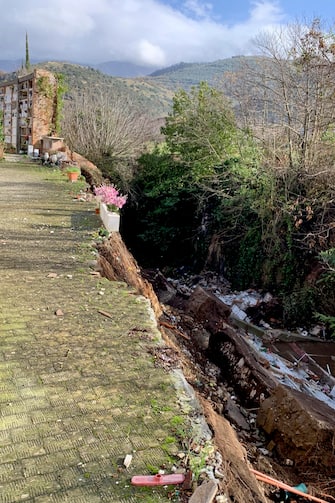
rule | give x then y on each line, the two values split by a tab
117	264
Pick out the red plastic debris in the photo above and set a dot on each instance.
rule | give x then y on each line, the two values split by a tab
158	480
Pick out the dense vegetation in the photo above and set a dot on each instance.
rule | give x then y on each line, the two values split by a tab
241	181
247	187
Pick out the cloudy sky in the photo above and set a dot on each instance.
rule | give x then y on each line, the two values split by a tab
147	32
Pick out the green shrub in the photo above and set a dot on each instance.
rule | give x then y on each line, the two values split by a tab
299	307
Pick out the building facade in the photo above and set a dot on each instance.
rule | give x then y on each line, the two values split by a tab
28	104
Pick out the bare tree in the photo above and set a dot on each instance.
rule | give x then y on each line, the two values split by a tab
287	98
99	124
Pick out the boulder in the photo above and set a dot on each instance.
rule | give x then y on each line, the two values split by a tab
235	416
205	493
301	427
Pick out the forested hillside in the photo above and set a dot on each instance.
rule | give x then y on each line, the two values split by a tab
145	93
186	75
153	93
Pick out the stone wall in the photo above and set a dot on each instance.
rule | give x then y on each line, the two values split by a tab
44	104
29	104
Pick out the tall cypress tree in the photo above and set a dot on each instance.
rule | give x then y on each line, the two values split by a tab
27	53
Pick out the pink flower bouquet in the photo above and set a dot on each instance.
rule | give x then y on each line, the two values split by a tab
110	195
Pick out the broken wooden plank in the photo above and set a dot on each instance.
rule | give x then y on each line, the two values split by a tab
174	329
272	334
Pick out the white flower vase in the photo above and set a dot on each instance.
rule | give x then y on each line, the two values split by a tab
111	220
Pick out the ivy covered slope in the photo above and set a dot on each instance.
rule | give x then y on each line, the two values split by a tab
247	187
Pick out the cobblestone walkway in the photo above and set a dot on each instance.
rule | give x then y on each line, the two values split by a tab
78	392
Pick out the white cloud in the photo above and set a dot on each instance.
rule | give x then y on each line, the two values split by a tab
141	31
198	8
151	54
265	12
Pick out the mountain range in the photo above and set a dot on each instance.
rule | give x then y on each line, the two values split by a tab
152	91
113	68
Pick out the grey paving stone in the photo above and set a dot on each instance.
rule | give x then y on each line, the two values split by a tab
78	392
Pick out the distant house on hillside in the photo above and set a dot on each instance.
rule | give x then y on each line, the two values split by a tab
29	105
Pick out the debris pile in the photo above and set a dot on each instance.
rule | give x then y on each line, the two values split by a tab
257	383
275	382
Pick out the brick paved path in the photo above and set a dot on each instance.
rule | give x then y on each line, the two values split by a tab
78	392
